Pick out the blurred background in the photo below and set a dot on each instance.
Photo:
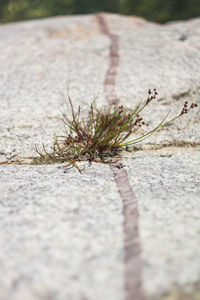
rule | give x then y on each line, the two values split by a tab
154	10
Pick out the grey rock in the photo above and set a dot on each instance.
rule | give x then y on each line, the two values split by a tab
167	186
39	57
62	232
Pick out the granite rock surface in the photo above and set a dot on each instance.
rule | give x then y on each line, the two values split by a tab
39	57
71	236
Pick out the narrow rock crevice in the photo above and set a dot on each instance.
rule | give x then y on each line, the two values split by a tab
147	148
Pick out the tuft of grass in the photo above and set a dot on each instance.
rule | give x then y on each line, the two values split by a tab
103	133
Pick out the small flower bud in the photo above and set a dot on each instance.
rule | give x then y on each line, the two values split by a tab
192	105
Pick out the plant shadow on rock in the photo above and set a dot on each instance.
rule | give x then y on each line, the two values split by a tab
103	133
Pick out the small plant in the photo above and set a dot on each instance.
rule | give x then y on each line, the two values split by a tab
103	133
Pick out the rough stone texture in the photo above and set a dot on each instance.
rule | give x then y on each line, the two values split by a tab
167	186
62	232
38	57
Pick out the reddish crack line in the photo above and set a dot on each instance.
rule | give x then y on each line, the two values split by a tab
109	82
132	252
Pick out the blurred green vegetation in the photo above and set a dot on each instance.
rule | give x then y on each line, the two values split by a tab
153	10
